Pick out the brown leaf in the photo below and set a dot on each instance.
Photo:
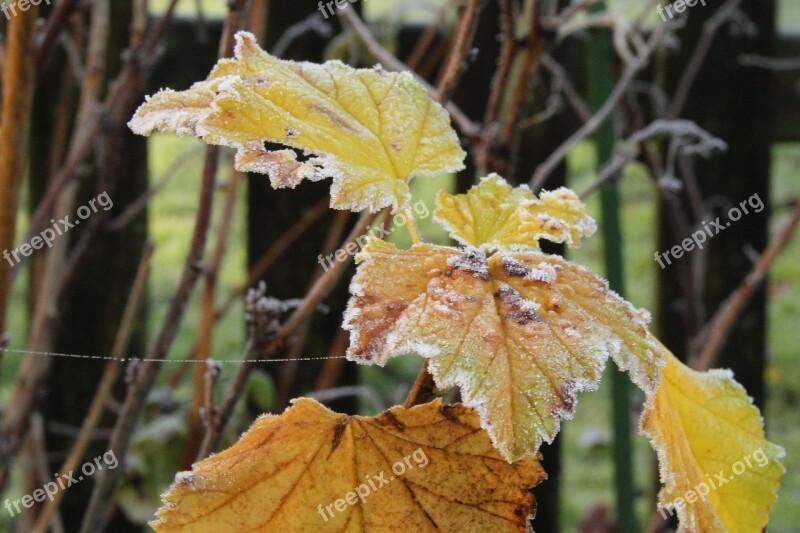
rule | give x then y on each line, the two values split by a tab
429	468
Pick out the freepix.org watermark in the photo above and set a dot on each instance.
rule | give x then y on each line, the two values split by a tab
708	230
9	9
62	481
352	247
701	491
374	483
679	6
49	235
329	8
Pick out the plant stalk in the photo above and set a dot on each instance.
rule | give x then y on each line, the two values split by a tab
600	74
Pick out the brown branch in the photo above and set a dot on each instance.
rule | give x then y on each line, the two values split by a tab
105	387
316	294
55	23
533	49
423	44
333	367
96	516
456	63
34	370
289	369
206	325
18	88
498	86
716	331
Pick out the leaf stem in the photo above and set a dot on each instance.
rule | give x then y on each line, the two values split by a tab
411	224
422	389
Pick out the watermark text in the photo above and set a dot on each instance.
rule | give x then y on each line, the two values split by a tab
709	230
373	483
57	229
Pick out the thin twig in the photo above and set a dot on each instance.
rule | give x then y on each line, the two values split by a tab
368	393
96	517
775	64
288	371
106	385
34	371
318	291
136	207
590	126
677	129
38	450
423	44
456	64
713	335
332	368
498	86
55	23
572	95
312	23
710	29
206	325
533	50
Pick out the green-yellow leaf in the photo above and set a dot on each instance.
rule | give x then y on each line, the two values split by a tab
494	216
368	129
719	472
520	333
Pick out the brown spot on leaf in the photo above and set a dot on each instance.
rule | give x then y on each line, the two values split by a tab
522	312
473	262
389	417
339	431
336	119
514	268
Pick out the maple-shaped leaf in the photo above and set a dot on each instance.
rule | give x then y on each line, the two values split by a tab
519	333
719	472
371	130
494	216
429	468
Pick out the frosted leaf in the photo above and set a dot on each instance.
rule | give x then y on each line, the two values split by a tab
710	442
520	333
494	216
291	473
368	129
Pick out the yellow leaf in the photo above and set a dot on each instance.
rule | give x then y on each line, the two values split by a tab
371	130
519	333
429	468
493	216
719	472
